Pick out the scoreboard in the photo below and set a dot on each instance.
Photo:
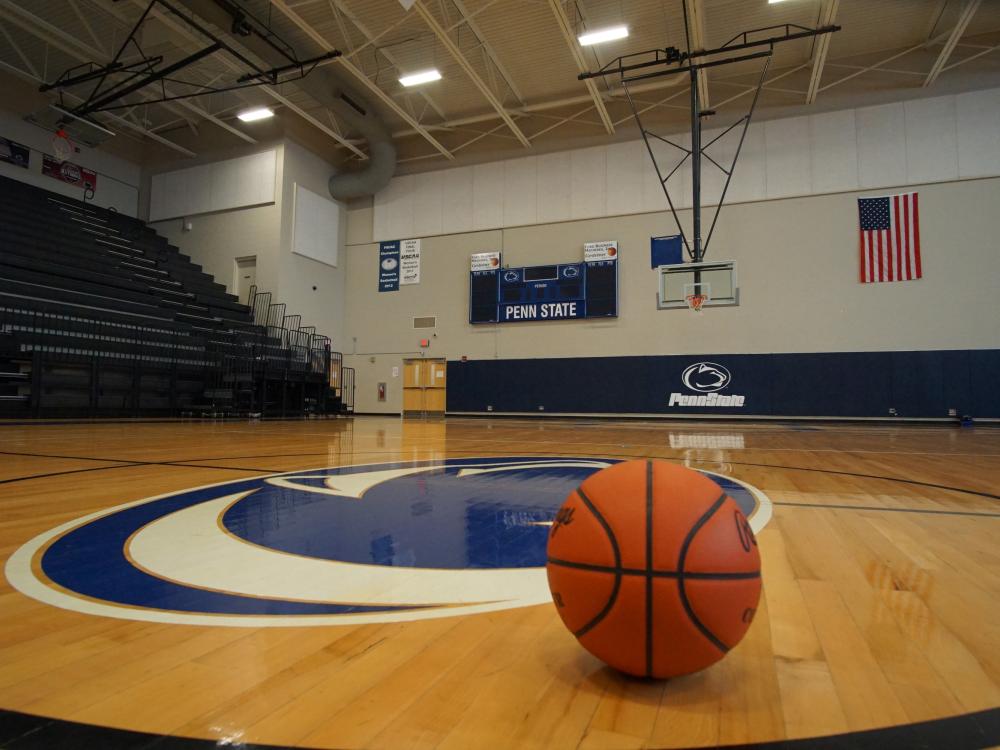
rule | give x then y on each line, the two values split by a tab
557	292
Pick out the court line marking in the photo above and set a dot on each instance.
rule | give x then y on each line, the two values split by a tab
822	506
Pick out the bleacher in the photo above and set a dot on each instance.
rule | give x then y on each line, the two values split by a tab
101	316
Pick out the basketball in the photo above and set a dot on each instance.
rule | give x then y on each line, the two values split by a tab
653	568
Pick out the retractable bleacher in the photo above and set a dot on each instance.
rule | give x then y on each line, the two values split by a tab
101	316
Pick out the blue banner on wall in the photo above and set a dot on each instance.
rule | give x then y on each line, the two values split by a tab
388	266
665	251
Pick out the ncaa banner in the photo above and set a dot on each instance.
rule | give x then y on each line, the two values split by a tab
409	262
388	266
14	153
68	172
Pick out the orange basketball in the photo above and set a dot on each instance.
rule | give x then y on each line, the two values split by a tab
653	568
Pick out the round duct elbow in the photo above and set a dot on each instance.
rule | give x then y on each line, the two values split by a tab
379	170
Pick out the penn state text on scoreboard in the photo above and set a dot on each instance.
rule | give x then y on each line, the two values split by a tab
563	291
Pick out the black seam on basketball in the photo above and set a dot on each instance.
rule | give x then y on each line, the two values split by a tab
616	569
656	573
680	569
649	568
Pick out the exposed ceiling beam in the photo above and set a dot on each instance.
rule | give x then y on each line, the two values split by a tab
970	58
359	74
968	10
581	63
181	29
340	9
488	48
827	16
696	20
115	118
480	84
20	52
86	53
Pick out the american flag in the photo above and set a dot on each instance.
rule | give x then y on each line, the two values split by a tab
889	245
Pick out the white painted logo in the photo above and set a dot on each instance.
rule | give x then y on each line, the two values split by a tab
706	377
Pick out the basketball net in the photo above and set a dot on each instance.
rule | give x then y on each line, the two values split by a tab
62	146
695	301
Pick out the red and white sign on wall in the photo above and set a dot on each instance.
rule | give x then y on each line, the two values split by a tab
68	172
604	250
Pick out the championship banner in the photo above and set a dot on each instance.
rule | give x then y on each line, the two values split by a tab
606	250
409	262
388	266
69	172
485	261
14	153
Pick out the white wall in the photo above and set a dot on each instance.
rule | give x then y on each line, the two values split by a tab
919	141
798	275
117	179
308	288
216	240
225	185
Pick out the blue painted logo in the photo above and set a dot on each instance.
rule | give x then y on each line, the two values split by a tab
347	545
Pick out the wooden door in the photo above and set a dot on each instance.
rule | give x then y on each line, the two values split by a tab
424	387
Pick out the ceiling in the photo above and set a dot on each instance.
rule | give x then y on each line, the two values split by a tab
509	68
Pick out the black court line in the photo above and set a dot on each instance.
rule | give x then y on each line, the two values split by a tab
133	464
973	731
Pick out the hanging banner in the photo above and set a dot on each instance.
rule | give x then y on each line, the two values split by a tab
388	266
68	172
486	261
14	153
606	250
409	262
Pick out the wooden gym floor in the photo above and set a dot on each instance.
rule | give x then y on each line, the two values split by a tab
881	603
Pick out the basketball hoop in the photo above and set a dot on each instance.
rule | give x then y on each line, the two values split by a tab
697	294
695	301
62	146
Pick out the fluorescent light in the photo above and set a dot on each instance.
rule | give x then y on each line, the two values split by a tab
424	77
260	113
772	2
604	35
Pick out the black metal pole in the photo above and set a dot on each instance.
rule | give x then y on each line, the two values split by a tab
695	168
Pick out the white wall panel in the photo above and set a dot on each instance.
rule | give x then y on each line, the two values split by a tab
316	226
218	186
921	141
588	182
931	140
834	151
554	173
881	146
395	204
978	133
456	200
625	171
750	179
788	166
428	197
520	192
487	195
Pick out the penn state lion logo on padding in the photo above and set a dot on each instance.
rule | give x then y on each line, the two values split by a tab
348	545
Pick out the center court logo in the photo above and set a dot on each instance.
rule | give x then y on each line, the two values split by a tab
348	545
707	378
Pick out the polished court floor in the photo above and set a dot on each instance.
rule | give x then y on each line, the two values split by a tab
397	605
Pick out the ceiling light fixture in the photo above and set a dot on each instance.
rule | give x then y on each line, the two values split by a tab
424	77
604	35
260	113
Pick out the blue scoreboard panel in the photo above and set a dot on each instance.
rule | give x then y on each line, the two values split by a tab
557	292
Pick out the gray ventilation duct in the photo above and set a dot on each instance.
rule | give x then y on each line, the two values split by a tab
327	86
